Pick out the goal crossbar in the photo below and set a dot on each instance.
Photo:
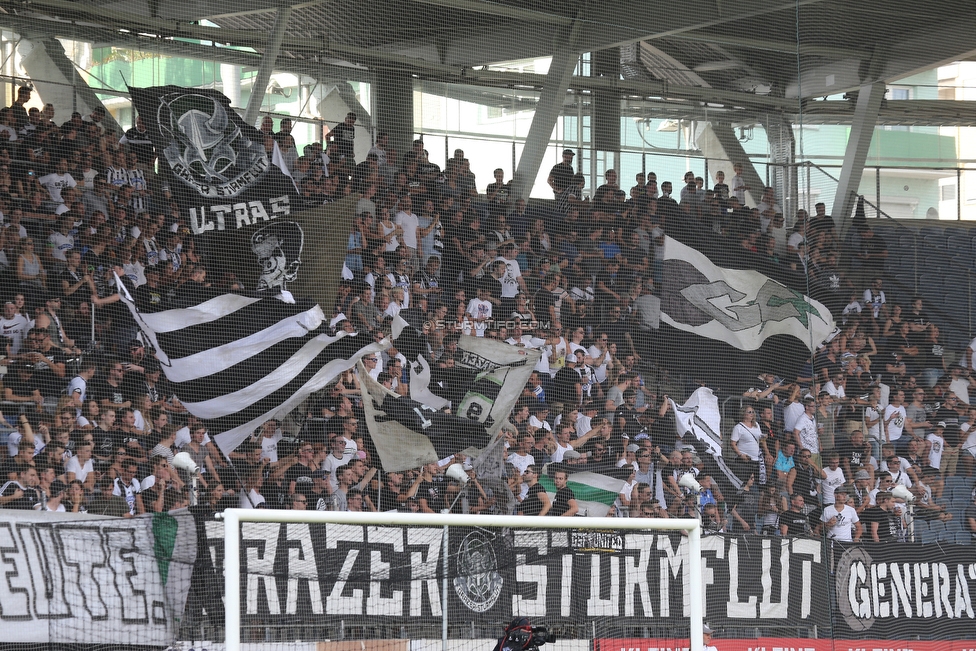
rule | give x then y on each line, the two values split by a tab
234	517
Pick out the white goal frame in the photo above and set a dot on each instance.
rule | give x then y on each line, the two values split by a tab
232	547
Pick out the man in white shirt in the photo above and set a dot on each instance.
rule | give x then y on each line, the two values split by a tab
894	420
512	281
13	326
410	223
339	455
521	458
805	430
792	413
898	475
738	184
479	310
842	520
959	384
836	389
60	241
270	435
57	181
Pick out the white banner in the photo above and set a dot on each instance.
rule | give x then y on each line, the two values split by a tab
739	306
78	579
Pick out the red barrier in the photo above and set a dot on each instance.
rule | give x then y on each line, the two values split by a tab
783	644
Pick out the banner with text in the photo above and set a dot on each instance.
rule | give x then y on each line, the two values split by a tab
77	579
784	644
306	570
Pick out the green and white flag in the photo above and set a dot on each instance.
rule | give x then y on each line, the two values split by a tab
740	307
595	486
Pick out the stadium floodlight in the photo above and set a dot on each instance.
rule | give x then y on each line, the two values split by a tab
483	553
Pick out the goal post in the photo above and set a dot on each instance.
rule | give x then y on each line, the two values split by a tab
590	533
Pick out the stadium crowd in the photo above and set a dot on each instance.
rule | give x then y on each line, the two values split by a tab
94	426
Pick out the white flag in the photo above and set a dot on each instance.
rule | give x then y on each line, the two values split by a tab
741	307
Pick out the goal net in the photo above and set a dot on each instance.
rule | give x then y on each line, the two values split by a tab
390	581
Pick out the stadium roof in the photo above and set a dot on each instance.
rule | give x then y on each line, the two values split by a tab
757	54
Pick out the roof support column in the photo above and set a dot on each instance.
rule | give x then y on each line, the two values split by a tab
260	85
548	109
862	129
393	106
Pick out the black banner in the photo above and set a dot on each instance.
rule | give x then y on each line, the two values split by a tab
395	573
235	196
901	590
306	571
224	173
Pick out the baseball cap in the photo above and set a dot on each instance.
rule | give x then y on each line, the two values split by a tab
706	629
941	424
862	474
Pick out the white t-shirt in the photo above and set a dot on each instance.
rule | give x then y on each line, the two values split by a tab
835	479
557	454
81	471
795	240
409	222
972	355
747	439
843	529
14	439
935	451
896	416
479	310
600	372
55	183
583	425
510	286
331	461
60	244
901	477
14	330
538	423
520	462
269	447
791	414
807	433
737	186
969	445
255	499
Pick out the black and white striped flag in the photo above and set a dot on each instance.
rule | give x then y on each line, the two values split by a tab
237	361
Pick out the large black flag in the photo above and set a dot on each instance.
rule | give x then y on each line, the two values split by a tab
222	173
234	192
